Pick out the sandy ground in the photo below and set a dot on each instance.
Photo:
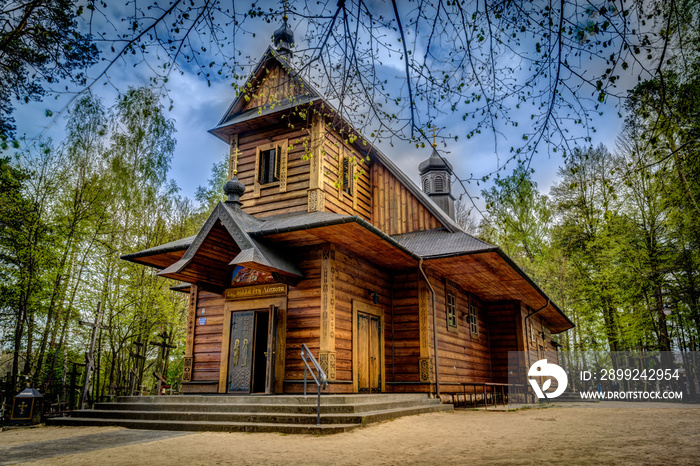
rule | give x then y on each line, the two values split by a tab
559	435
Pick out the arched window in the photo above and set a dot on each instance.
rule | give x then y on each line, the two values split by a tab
426	185
439	184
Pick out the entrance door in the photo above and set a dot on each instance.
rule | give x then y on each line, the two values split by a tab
369	374
251	351
240	368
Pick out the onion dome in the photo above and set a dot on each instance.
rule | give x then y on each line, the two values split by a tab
283	39
435	162
234	189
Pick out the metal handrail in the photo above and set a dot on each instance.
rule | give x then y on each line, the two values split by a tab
321	381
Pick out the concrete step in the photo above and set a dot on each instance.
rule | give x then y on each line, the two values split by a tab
259	417
286	413
209	426
266	407
310	399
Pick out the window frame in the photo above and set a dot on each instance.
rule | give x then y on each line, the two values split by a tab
264	156
279	170
451	316
473	320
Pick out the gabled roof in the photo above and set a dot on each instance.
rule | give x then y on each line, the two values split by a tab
236	115
267	61
252	253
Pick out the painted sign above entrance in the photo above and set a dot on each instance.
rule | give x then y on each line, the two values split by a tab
258	291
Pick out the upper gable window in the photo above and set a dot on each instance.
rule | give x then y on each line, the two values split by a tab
268	165
271	166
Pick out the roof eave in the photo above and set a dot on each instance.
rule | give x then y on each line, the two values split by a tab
514	266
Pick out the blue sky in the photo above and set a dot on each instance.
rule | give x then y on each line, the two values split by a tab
197	108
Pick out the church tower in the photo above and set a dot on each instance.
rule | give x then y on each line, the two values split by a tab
436	181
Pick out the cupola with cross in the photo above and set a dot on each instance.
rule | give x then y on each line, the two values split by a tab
436	180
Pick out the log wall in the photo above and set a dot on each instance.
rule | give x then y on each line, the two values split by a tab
271	201
463	358
359	202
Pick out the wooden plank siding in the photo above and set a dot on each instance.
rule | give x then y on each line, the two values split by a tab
337	201
503	335
271	200
271	87
207	338
463	358
395	210
403	336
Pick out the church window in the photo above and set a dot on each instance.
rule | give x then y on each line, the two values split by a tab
268	166
426	185
473	321
451	310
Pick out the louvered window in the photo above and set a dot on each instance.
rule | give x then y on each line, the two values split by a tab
426	185
439	184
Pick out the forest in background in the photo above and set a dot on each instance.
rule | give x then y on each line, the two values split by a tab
616	242
70	209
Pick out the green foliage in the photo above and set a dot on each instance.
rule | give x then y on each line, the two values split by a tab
40	43
68	215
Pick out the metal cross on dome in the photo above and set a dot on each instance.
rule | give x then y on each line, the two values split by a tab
434	130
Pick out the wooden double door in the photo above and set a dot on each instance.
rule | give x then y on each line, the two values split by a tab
369	355
252	344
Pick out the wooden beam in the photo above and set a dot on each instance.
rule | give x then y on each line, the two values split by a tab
425	362
327	344
189	343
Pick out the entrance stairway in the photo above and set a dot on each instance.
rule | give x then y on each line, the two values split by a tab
290	414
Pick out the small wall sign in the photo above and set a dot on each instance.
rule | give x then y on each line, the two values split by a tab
202	321
258	291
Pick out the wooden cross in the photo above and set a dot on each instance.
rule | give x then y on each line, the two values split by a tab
138	362
163	358
89	356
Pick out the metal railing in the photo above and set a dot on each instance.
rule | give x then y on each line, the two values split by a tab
321	380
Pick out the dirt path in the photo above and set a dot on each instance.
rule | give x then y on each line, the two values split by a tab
559	435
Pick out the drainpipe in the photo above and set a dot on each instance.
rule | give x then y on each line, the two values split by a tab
527	331
435	335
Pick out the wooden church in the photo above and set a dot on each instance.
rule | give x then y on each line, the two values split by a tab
324	241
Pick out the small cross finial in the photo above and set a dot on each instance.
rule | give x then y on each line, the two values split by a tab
233	161
285	12
434	130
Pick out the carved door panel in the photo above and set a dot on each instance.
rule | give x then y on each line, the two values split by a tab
368	353
240	368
